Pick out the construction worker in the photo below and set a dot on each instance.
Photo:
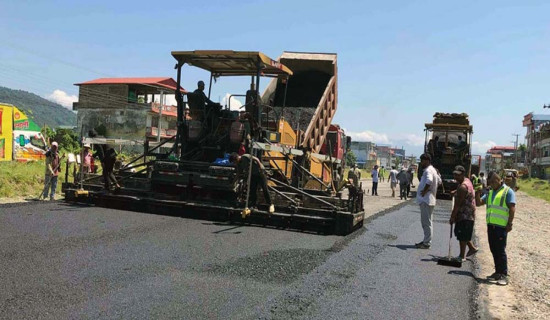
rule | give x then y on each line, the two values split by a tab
199	93
501	209
382	173
257	178
463	214
52	171
475	180
107	155
355	174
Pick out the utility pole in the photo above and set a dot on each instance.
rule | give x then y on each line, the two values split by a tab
516	150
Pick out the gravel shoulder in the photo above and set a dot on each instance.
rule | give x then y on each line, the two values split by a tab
528	249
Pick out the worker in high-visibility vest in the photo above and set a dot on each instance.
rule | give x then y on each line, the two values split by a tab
501	208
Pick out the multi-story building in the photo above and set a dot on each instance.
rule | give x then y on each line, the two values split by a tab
364	152
127	108
499	158
537	155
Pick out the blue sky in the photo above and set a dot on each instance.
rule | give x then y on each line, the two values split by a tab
399	61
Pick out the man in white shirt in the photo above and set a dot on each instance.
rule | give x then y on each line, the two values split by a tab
392	179
426	198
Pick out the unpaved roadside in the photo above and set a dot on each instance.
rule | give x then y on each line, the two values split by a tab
528	249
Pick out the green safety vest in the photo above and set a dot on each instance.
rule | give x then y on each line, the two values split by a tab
497	209
476	180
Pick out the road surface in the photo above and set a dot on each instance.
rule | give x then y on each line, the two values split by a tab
61	261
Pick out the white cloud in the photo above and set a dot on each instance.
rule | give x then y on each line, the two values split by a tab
411	139
235	104
481	148
369	136
61	97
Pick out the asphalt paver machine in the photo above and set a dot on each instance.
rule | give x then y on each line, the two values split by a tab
193	178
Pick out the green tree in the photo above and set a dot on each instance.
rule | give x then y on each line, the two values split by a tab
351	159
67	140
48	133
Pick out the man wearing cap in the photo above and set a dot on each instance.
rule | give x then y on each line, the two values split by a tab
425	197
501	209
463	214
52	171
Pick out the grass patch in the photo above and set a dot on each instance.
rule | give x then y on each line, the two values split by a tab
24	179
535	187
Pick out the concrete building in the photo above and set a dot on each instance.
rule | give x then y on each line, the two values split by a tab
499	158
126	108
365	153
537	157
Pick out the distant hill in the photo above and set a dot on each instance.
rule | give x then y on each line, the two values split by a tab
40	110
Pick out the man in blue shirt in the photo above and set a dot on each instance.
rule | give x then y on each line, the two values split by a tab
501	208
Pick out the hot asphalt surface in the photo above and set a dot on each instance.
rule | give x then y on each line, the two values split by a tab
61	261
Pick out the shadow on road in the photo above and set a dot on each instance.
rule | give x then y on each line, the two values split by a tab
403	246
469	274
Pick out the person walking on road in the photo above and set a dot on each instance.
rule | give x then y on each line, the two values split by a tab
374	175
382	173
403	178
52	171
501	209
392	179
463	214
410	174
426	198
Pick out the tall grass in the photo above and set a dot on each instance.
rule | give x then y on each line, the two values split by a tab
535	187
24	179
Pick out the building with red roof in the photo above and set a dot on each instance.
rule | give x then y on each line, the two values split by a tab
127	108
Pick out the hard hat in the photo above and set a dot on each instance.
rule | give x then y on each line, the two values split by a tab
87	145
54	144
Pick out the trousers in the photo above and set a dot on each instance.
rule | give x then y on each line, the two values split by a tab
497	244
426	215
257	181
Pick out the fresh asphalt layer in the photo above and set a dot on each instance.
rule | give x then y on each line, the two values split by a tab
61	261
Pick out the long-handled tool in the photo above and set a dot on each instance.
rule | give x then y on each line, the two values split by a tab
47	185
448	260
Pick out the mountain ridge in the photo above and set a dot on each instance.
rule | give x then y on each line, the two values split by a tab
42	111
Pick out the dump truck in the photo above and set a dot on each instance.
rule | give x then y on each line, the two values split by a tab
20	138
285	127
448	141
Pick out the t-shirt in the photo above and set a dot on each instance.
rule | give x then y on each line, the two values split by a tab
374	174
483	181
430	177
393	175
510	196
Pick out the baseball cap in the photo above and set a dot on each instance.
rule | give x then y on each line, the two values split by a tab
459	170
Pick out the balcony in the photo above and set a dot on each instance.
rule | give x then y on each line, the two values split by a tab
152	132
